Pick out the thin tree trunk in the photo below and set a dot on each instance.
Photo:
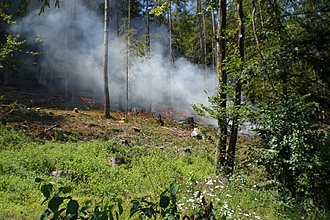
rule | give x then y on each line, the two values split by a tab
238	90
214	49
147	28
73	39
127	54
117	16
222	78
105	61
263	61
204	42
148	44
201	34
171	56
70	31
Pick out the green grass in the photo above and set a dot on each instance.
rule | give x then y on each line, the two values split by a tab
148	171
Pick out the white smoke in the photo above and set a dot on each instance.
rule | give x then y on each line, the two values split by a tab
72	49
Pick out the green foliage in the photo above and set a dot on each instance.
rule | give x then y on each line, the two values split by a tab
160	9
12	140
147	172
61	206
295	150
166	208
12	45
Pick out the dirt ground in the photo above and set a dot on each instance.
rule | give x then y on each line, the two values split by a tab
45	117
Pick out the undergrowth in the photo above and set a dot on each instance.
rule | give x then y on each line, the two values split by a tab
147	171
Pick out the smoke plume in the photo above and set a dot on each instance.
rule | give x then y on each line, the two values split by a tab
70	39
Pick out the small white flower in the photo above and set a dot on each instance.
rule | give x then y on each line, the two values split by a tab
196	194
211	194
190	200
209	182
257	217
227	195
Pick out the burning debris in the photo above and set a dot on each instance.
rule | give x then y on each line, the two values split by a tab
188	121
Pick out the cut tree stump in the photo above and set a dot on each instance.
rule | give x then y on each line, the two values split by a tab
114	161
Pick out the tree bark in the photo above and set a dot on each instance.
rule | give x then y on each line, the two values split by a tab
220	159
204	42
105	61
148	45
201	25
171	56
117	16
127	55
147	28
238	90
214	39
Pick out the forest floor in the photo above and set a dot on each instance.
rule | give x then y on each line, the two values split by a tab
39	136
47	118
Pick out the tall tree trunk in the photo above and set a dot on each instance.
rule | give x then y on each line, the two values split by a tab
201	34
148	44
171	55
117	16
127	55
70	35
105	61
204	42
220	160
147	28
238	90
214	39
73	86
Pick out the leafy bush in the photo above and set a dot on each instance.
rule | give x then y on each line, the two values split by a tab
65	207
295	150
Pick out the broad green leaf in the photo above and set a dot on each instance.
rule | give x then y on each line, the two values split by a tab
47	189
45	214
38	180
55	203
72	207
149	212
164	201
135	208
174	189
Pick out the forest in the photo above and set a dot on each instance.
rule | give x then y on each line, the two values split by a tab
165	109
